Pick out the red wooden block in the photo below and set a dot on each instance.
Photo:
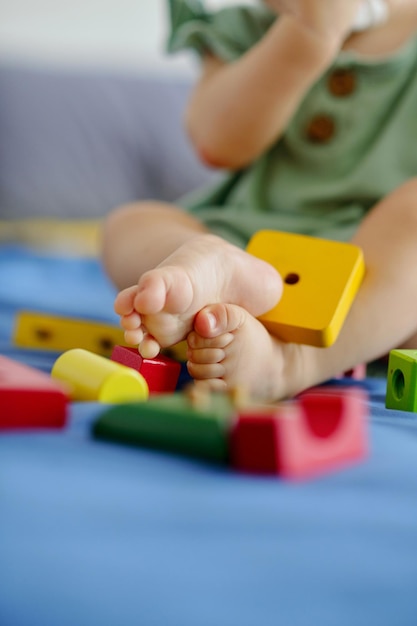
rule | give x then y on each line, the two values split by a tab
161	373
319	432
356	373
29	398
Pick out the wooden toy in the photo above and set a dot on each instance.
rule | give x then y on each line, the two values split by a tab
161	373
321	279
56	333
356	373
92	377
29	398
319	432
172	423
402	380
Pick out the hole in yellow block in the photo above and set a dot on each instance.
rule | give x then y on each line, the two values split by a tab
43	334
291	279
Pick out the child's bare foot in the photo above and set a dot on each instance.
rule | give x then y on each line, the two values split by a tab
230	348
160	310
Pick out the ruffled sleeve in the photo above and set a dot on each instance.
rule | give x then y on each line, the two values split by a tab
227	33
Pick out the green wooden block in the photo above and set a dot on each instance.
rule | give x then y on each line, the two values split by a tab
402	380
170	423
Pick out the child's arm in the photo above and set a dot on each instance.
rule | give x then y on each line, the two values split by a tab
238	110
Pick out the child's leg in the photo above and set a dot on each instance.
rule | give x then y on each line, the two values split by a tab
228	347
410	343
193	268
137	237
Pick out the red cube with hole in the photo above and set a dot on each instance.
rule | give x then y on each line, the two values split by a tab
161	373
320	431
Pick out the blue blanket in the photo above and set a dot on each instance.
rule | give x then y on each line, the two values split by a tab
98	533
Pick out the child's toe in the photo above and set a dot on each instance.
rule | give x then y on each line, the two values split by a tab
218	319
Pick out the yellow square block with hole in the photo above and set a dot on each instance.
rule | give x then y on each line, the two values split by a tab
321	279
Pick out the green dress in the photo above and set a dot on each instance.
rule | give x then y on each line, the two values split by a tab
352	141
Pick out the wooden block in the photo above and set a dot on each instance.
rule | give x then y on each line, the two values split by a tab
161	373
317	433
92	377
321	279
29	398
402	380
56	333
356	373
171	423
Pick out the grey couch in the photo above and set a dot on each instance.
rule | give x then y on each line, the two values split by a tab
75	143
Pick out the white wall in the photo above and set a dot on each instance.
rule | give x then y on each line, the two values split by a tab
116	33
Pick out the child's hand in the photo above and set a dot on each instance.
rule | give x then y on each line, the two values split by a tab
328	19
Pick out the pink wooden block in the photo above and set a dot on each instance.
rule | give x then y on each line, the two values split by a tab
161	373
29	398
318	432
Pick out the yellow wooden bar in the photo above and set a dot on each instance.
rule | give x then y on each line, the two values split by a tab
52	332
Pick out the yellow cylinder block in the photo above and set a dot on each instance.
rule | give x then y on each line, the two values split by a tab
91	377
